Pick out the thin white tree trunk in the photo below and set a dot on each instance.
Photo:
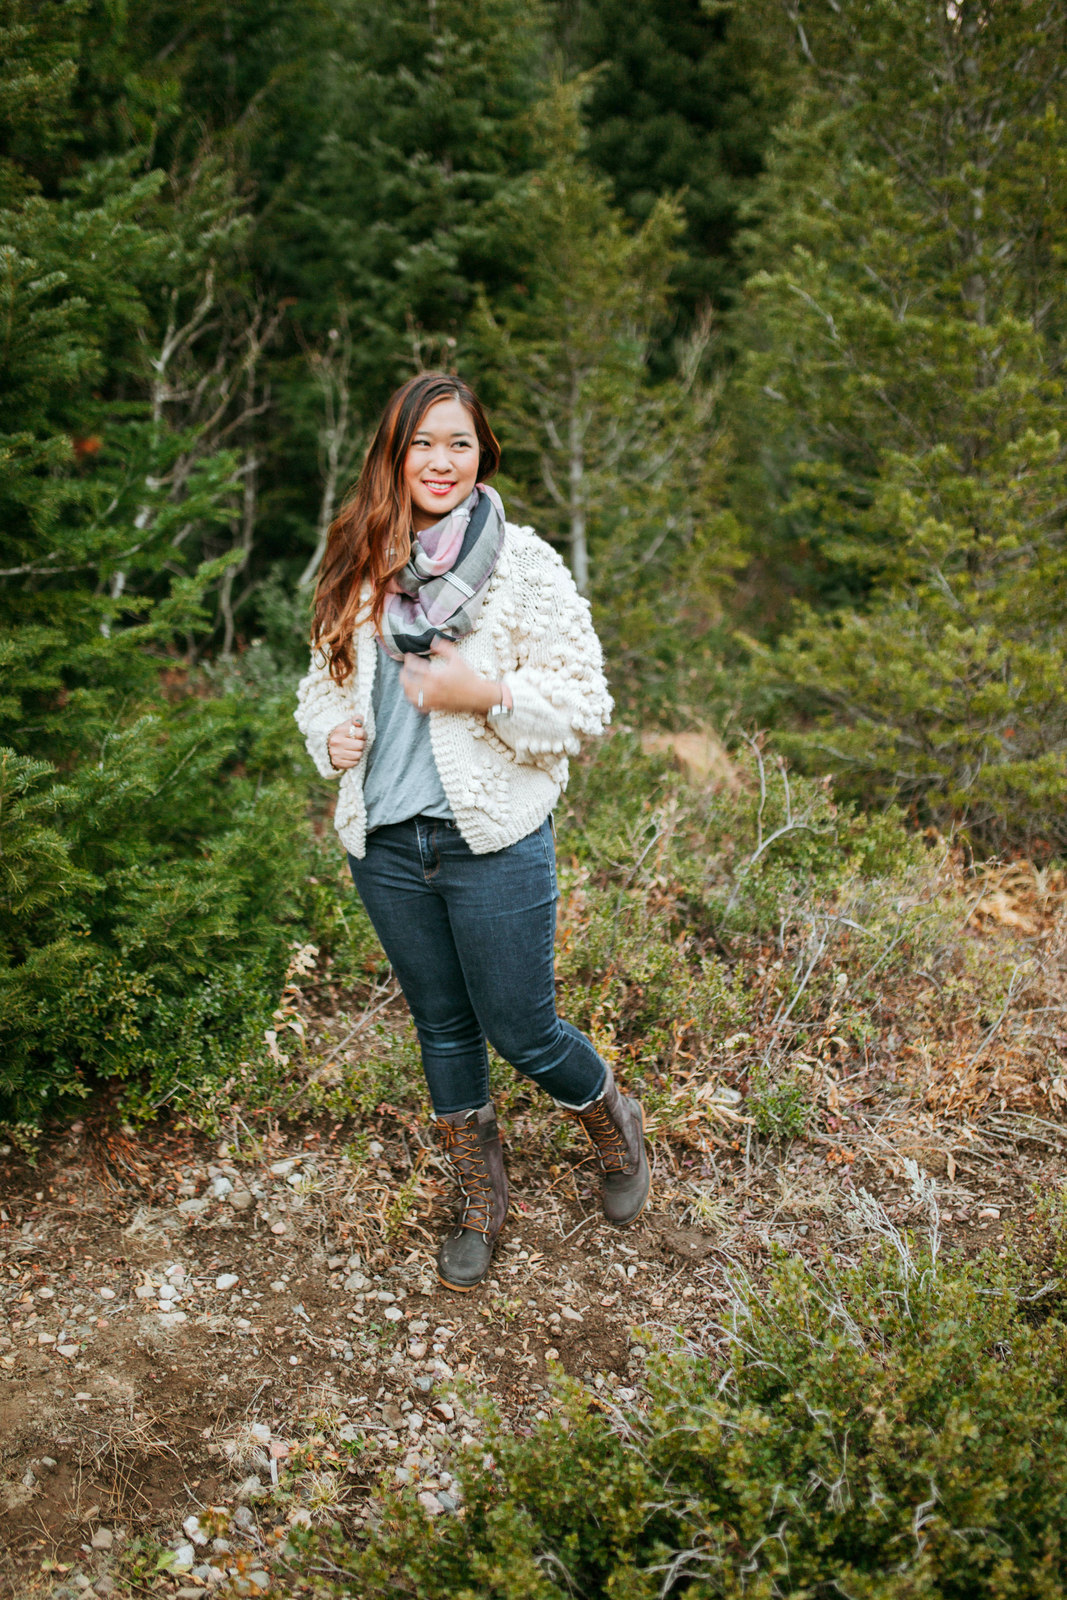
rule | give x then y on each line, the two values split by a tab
576	476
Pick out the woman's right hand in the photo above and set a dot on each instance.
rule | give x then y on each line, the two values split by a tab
346	743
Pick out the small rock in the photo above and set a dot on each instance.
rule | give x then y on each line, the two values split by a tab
145	1291
221	1547
282	1169
446	1501
277	1286
415	1421
990	1213
167	1291
430	1503
354	1282
348	1433
260	1579
106	1294
49	1463
570	1314
277	1227
226	1280
184	1558
69	1350
79	1581
171	1319
240	1199
29	1478
221	1187
46	1294
244	1520
102	1539
393	1314
417	1350
104	1585
193	1531
443	1411
392	1416
402	1474
193	1208
251	1489
46	1338
189	1592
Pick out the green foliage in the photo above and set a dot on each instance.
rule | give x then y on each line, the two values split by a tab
904	389
681	103
779	1106
147	902
884	1430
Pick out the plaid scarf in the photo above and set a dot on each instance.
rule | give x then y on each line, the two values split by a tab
440	590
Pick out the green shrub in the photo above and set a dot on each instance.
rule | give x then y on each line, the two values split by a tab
884	1431
147	903
779	1106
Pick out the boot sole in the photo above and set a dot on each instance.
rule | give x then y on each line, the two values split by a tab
461	1288
465	1288
648	1196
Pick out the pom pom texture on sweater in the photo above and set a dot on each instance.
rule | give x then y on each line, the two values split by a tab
502	775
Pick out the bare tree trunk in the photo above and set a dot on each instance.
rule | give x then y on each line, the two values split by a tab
576	476
250	473
339	441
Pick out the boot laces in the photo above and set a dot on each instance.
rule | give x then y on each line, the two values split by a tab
472	1174
605	1137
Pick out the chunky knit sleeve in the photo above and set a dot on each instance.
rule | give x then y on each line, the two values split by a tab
320	706
558	688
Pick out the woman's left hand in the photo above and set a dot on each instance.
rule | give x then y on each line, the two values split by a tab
448	683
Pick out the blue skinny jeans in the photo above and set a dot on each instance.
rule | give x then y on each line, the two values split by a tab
471	941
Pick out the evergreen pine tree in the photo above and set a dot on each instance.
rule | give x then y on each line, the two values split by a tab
620	469
905	391
681	103
147	862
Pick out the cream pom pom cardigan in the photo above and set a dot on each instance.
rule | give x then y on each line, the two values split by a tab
502	775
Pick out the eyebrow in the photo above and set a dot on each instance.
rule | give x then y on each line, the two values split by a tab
460	433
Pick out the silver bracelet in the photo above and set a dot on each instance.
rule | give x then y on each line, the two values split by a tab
501	710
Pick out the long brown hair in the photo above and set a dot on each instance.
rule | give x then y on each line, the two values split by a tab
370	538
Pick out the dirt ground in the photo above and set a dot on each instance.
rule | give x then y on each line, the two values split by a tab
186	1322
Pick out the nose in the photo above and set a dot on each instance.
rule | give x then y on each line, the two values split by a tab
439	458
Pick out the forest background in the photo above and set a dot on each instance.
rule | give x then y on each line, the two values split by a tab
767	303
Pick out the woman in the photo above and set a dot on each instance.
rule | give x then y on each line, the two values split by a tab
454	666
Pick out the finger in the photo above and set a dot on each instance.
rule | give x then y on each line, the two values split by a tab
442	647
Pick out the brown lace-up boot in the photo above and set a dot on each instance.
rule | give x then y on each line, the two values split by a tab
615	1124
471	1142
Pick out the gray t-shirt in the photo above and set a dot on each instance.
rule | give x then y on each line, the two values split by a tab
401	777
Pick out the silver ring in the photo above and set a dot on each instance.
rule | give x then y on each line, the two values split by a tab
351	730
419	701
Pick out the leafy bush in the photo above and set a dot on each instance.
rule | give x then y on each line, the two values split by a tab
778	1106
147	902
886	1430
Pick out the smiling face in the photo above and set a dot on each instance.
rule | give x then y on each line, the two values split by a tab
441	466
